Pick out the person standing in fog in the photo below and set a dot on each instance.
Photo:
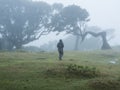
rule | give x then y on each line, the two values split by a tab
60	47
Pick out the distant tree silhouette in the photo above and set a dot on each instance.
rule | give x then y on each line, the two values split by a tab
72	19
22	21
105	44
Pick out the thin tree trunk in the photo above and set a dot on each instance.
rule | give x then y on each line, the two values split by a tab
105	43
10	46
18	46
77	42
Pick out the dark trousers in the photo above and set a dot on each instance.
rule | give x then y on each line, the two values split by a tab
60	54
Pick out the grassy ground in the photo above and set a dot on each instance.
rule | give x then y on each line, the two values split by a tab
27	71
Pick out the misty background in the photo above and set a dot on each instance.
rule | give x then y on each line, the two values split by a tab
103	13
39	24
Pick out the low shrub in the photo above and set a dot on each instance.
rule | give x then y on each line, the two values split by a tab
55	72
82	71
119	78
73	70
104	84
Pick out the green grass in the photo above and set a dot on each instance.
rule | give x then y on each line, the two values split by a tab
27	71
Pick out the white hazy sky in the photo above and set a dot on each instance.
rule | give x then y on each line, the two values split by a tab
103	13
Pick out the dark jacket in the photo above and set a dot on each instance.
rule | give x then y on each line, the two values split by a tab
60	46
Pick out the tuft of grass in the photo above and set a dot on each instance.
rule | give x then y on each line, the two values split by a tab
119	78
104	84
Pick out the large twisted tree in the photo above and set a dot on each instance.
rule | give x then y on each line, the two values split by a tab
105	44
73	19
22	21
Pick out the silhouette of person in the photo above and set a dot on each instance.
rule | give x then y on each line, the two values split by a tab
60	47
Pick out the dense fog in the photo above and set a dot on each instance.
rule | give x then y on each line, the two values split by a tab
81	24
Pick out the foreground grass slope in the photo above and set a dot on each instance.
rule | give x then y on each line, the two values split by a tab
34	71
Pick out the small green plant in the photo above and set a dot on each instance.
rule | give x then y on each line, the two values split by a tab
119	78
104	84
55	72
83	71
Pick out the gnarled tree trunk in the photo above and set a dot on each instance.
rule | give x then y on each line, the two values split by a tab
105	44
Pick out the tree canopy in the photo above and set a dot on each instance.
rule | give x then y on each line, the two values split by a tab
22	21
70	19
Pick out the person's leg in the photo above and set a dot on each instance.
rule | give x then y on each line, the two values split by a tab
59	55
